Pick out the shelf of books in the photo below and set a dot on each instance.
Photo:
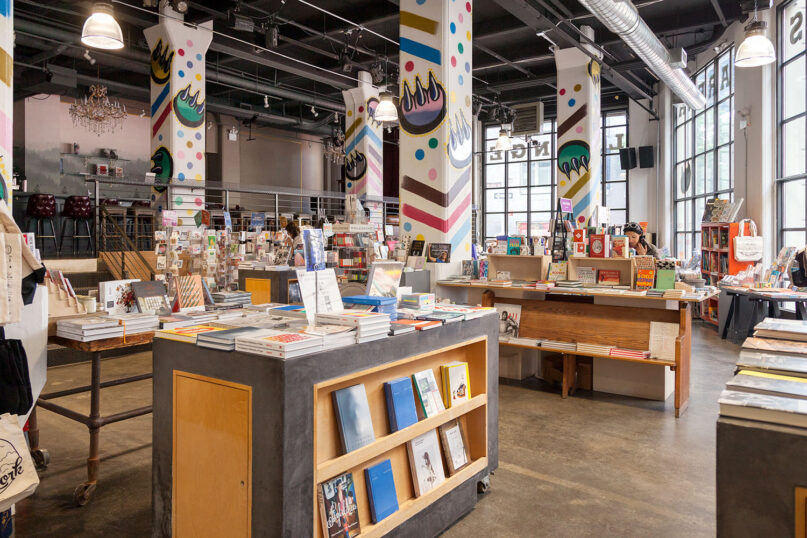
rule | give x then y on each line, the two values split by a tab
614	271
509	267
717	260
388	441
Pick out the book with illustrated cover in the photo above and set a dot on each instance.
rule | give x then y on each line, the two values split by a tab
314	248
557	271
223	340
509	320
339	511
353	417
401	409
608	277
455	446
620	246
152	296
587	275
280	340
190	295
418	324
439	252
186	334
425	462
381	490
513	246
417	249
428	393
116	296
456	383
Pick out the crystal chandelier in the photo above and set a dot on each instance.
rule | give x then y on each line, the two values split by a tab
334	147
97	113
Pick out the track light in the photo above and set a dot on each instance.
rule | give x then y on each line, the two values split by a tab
101	30
143	113
88	57
180	6
265	101
314	111
209	125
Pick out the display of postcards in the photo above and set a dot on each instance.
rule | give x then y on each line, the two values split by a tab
184	235
439	252
160	235
161	249
339	511
455	445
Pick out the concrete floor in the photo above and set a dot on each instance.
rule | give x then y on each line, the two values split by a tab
591	465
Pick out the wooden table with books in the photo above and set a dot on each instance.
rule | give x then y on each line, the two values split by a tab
248	444
600	323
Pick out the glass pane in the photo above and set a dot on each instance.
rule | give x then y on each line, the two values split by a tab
492	132
494	201
516	224
793	239
541	199
699	134
517	199
615	139
710	84
542	147
682	113
494	225
725	70
687	222
793	29
680	215
616	196
617	118
793	200
541	173
700	82
724	122
700	204
723	168
689	145
709	121
680	245
680	143
517	174
793	154
613	169
619	216
494	176
684	179
709	171
539	223
793	88
491	155
519	151
699	179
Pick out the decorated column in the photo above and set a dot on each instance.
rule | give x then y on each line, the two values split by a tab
579	133
178	115
6	96
364	147
436	146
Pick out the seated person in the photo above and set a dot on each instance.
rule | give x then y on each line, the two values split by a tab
637	241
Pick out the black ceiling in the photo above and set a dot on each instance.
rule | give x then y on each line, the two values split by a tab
512	64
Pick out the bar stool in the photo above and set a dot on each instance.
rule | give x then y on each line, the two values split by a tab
115	213
41	207
143	216
77	209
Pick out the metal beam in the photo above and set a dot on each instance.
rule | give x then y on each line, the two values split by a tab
46	55
503	59
720	14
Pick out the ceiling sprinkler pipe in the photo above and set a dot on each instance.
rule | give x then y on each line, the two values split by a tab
621	17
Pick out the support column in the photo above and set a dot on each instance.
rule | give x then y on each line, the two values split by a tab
178	115
364	147
6	96
579	133
436	146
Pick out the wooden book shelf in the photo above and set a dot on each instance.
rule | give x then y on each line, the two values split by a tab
519	267
330	462
625	266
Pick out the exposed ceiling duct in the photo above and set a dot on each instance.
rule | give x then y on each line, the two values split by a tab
621	17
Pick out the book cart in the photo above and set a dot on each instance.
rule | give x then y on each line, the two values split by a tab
242	441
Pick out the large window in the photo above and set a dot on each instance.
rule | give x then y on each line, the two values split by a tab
704	151
792	102
520	185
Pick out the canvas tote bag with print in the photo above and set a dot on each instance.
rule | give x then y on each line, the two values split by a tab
18	478
748	248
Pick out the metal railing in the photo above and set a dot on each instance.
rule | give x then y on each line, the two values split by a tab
117	250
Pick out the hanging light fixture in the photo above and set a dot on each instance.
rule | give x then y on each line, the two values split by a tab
503	142
97	113
756	49
386	111
101	30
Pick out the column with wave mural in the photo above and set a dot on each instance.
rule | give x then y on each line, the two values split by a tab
436	146
579	133
364	148
6	96
178	116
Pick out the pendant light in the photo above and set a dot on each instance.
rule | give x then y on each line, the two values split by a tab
756	49
386	112
101	30
503	142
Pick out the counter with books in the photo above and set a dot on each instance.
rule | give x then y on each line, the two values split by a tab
390	435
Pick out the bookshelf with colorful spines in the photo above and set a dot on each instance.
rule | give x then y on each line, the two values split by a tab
717	260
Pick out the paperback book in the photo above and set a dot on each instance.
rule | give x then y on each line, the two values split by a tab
339	511
425	462
455	446
353	417
381	490
428	393
456	383
401	409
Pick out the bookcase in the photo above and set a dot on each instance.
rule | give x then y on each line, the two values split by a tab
331	462
519	267
625	266
717	260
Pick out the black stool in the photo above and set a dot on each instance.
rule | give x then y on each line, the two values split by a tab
42	207
77	209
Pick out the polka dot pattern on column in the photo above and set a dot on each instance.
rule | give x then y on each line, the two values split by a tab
409	65
408	226
468	7
460	80
180	154
181	73
419	154
432	143
572	102
189	144
199	155
181	176
579	129
181	52
198	202
190	64
453	61
198	136
577	87
562	91
190	166
467	67
453	27
199	57
432	174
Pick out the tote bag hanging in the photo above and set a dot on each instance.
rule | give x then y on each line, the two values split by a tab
748	248
18	478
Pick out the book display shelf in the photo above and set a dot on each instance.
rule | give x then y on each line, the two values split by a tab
625	266
242	441
717	260
519	267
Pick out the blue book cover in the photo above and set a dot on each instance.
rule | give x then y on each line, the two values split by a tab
353	417
369	300
400	403
381	490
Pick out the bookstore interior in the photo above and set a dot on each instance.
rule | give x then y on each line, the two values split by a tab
410	268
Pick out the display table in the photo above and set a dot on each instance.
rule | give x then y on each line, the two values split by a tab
241	441
266	286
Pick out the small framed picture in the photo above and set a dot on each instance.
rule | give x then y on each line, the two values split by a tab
101	169
455	445
439	252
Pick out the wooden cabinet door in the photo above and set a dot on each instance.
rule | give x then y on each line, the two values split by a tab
212	460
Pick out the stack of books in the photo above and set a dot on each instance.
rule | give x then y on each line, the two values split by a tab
397	327
333	336
673	294
383	305
88	328
772	363
443	317
420	325
418	301
137	323
468	312
500	283
282	345
634	293
222	315
369	325
200	318
176	320
231	298
629	353
186	334
569	283
223	340
559	345
653	292
596	349
782	329
289	311
544	285
406	313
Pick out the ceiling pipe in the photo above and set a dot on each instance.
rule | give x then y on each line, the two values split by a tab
622	18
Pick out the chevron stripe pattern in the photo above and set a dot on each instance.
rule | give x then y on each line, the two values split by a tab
6	96
435	113
364	145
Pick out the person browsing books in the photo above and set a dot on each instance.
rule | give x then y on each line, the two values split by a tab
638	242
297	239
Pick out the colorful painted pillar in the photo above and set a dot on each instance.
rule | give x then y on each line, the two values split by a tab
364	147
579	133
436	145
6	96
178	115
